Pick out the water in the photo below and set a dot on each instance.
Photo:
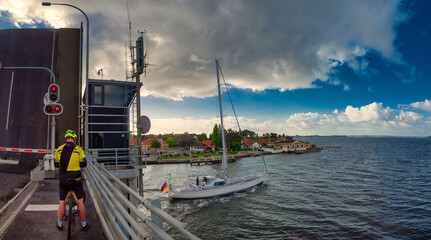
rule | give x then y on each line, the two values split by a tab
370	188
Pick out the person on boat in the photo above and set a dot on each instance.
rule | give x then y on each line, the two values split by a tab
197	181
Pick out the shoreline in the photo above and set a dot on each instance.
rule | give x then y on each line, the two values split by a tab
216	160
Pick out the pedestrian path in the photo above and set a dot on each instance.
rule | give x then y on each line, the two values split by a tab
33	215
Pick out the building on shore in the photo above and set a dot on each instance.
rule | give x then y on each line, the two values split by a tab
146	145
197	147
257	144
290	145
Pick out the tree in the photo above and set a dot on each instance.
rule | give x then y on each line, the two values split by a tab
186	140
236	146
233	135
216	136
202	137
233	139
172	142
248	133
155	143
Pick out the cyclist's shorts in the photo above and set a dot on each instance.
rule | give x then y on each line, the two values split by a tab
77	188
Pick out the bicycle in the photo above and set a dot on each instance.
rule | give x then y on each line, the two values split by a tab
72	208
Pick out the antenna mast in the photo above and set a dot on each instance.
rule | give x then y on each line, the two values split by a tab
130	24
130	50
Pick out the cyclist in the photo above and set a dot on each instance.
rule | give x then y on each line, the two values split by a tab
69	158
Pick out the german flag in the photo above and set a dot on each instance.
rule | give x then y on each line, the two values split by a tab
164	187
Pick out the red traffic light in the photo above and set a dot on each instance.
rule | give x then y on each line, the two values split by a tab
54	93
53	109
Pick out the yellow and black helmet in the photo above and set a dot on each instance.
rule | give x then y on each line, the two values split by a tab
70	133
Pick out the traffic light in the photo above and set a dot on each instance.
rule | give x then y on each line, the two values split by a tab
53	109
51	106
54	93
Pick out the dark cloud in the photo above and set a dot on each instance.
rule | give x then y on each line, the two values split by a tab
273	44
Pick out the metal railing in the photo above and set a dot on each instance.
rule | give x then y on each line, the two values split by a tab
120	218
113	156
118	156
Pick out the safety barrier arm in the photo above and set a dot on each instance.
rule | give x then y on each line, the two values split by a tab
114	199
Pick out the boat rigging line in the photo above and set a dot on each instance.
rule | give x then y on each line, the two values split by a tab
264	163
234	112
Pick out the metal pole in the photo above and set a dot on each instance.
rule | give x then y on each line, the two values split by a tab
80	87
224	161
86	84
116	159
138	118
156	220
86	74
53	134
42	68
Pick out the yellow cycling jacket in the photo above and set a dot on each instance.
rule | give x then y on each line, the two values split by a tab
69	158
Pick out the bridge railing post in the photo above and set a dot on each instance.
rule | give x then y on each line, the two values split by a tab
154	218
116	159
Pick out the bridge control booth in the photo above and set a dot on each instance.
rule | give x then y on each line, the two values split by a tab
109	120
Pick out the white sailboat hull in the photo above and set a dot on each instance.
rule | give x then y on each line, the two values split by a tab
217	187
232	186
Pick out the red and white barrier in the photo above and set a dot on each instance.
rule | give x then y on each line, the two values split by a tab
25	150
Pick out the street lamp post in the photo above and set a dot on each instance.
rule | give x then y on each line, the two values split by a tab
86	72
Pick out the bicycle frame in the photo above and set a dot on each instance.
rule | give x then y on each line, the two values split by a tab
71	207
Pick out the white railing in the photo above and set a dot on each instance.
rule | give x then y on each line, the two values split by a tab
120	218
112	156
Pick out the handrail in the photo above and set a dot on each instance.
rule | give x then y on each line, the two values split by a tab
108	149
101	123
107	115
100	106
121	215
109	131
120	154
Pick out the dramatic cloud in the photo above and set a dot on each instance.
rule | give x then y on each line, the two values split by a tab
275	44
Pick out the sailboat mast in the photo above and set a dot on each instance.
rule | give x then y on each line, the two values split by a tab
224	161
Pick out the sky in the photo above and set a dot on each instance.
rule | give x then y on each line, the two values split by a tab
310	67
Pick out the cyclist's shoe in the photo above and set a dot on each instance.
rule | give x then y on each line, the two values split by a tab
85	227
59	226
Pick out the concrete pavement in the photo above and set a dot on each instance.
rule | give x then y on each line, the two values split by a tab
32	214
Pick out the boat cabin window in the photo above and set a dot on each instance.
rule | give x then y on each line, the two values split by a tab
219	183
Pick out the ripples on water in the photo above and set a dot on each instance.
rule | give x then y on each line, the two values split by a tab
370	188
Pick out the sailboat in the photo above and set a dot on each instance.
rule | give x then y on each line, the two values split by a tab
212	186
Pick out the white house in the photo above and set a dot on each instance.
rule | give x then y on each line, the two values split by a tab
198	147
